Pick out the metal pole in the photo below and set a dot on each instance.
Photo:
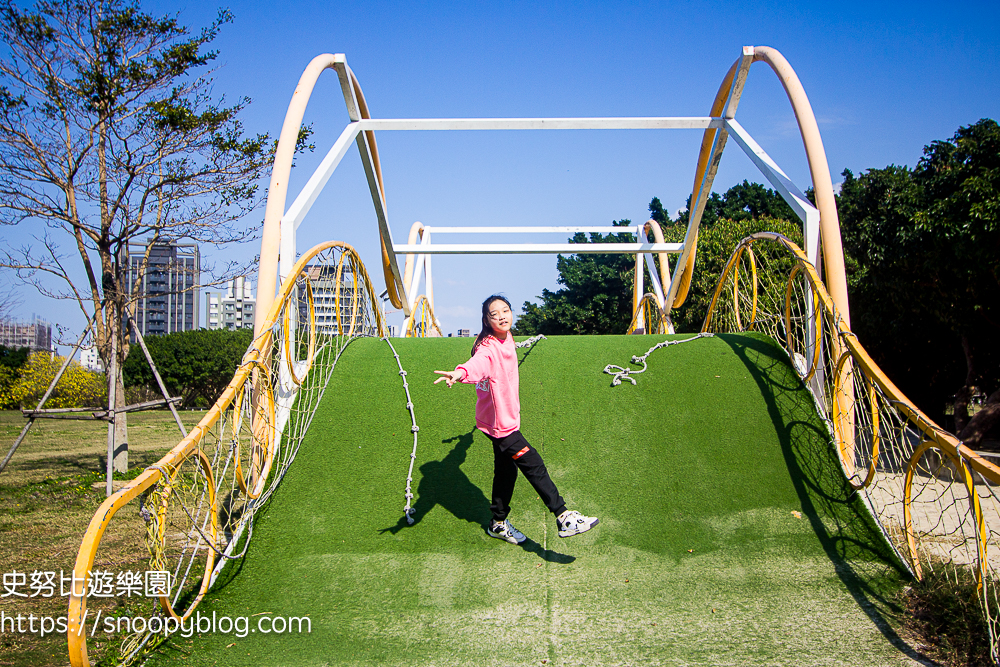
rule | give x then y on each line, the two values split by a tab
48	392
112	387
156	374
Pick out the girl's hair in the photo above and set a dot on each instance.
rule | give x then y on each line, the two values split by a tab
487	328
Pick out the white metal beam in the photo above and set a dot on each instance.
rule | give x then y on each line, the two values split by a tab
535	248
798	202
531	230
654	276
625	123
412	293
307	197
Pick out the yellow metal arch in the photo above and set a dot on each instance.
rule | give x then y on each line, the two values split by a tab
256	361
961	464
422	314
311	330
819	169
280	174
647	312
161	510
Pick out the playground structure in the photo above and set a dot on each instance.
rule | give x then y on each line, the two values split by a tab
933	499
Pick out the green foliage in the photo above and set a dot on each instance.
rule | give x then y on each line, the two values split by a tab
922	248
78	387
196	365
13	357
944	613
744	201
596	297
657	213
715	245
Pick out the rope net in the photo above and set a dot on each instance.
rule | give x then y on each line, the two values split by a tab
649	317
934	499
422	323
198	502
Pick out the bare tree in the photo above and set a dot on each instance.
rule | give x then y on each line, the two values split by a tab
9	301
110	131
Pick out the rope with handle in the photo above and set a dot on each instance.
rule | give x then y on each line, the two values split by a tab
620	373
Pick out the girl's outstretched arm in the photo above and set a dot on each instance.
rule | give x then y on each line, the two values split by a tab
472	371
451	377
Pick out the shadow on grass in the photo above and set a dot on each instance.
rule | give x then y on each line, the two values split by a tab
444	483
524	357
862	557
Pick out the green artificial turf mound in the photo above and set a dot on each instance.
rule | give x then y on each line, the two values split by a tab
697	474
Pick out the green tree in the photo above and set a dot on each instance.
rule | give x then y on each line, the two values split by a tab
716	244
924	284
196	365
743	201
657	213
596	297
13	357
109	131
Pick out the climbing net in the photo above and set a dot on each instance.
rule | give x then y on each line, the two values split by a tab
198	502
651	315
934	499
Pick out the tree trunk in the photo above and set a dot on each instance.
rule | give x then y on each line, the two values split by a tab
116	346
121	422
982	423
964	395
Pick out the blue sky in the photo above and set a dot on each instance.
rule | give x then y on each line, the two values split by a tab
884	79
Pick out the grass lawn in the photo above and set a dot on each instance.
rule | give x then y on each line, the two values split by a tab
47	499
727	535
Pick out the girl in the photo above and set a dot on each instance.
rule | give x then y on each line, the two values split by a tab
493	369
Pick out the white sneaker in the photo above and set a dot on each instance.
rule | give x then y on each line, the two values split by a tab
504	531
572	523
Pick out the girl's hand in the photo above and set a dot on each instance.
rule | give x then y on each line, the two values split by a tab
451	377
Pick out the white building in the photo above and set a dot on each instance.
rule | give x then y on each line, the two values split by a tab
327	295
90	360
232	310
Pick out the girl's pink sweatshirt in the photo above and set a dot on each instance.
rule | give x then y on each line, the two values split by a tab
493	369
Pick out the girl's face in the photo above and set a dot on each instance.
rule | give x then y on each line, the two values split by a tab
500	318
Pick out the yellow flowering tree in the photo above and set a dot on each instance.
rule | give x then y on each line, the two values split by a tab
78	387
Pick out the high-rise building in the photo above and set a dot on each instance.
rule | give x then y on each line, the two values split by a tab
325	292
168	294
35	335
232	310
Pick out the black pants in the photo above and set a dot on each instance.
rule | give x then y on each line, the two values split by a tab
509	454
